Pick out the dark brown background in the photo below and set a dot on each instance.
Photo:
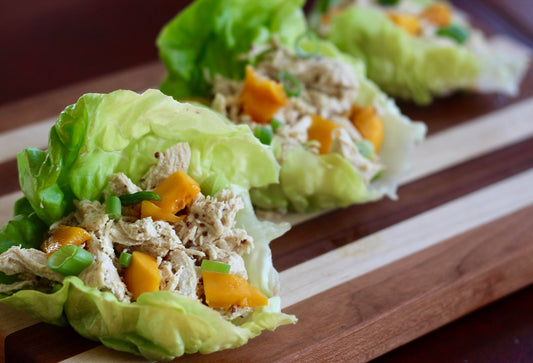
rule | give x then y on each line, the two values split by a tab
51	44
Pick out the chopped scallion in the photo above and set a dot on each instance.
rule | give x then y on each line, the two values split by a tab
124	259
388	2
213	184
113	207
8	279
69	260
263	134
291	84
136	198
455	32
301	40
275	124
215	266
365	147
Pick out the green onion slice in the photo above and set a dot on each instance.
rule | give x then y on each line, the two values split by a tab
291	84
275	124
263	134
365	147
215	266
388	2
113	207
455	32
213	184
302	39
136	198
8	279
69	260
124	259
377	176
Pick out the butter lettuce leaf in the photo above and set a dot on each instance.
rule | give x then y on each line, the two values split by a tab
308	182
103	134
210	36
419	68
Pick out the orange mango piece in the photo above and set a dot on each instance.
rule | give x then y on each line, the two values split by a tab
407	22
142	275
149	209
438	13
369	125
321	130
261	97
224	290
65	235
176	192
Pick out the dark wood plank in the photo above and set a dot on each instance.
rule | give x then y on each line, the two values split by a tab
48	44
45	342
362	319
50	104
340	227
494	20
518	12
458	108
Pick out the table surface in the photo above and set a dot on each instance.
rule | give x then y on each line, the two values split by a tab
465	298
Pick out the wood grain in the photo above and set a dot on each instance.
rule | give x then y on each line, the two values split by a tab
310	240
358	316
367	316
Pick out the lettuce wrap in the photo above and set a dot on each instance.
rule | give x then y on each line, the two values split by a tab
102	147
237	37
419	49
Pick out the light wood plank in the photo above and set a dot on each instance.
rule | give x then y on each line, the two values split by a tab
427	229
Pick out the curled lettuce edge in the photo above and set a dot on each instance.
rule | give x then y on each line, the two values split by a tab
418	69
310	183
103	134
160	325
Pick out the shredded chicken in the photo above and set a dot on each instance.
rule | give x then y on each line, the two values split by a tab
207	232
103	273
28	263
329	88
171	160
120	184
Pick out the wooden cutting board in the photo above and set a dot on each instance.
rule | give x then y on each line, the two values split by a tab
365	279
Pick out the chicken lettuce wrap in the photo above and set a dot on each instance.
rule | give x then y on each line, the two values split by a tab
338	138
419	49
136	228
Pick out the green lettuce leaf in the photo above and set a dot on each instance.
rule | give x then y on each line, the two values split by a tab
308	182
163	325
120	132
417	68
209	36
402	65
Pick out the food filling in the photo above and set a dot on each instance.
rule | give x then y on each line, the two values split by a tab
437	21
163	234
293	99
